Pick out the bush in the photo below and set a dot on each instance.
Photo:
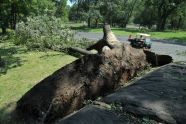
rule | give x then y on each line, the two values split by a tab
44	32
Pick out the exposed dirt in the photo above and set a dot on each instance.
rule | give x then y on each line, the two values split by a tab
87	78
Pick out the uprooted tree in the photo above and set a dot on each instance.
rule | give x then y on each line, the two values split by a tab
86	78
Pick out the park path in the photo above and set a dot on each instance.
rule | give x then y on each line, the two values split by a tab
177	51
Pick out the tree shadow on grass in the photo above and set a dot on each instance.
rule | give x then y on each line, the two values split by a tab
8	58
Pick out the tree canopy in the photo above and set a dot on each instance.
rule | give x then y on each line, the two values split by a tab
161	13
13	11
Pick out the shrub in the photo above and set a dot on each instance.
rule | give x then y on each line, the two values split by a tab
44	32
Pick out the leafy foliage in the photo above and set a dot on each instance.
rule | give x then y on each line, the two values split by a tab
114	12
162	13
61	10
13	11
44	32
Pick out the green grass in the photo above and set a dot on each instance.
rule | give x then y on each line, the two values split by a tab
22	70
178	35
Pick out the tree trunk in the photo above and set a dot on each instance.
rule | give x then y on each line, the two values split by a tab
4	30
96	23
179	22
109	39
124	25
149	26
13	16
79	50
14	21
161	24
89	22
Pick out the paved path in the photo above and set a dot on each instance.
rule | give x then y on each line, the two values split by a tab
158	46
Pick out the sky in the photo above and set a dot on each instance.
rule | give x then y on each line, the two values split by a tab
69	3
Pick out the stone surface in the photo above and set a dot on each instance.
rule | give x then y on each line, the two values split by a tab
92	115
160	95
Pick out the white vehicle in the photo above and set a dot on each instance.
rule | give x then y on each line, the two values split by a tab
140	41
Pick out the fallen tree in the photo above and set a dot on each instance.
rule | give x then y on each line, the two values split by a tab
80	50
109	39
86	78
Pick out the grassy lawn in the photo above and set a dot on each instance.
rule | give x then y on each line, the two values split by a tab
22	70
169	34
178	35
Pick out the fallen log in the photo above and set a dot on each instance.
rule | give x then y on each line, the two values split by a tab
109	39
80	50
87	78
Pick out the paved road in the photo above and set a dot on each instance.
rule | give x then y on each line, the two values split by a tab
177	51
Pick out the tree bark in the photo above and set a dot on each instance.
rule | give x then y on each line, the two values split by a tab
109	39
4	30
179	22
161	24
89	22
81	51
97	23
13	16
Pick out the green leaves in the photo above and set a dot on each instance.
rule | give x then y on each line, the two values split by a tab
42	32
46	32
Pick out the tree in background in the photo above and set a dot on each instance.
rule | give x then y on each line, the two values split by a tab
145	16
84	10
4	14
13	11
177	18
113	12
164	9
93	16
143	12
40	7
62	10
127	9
